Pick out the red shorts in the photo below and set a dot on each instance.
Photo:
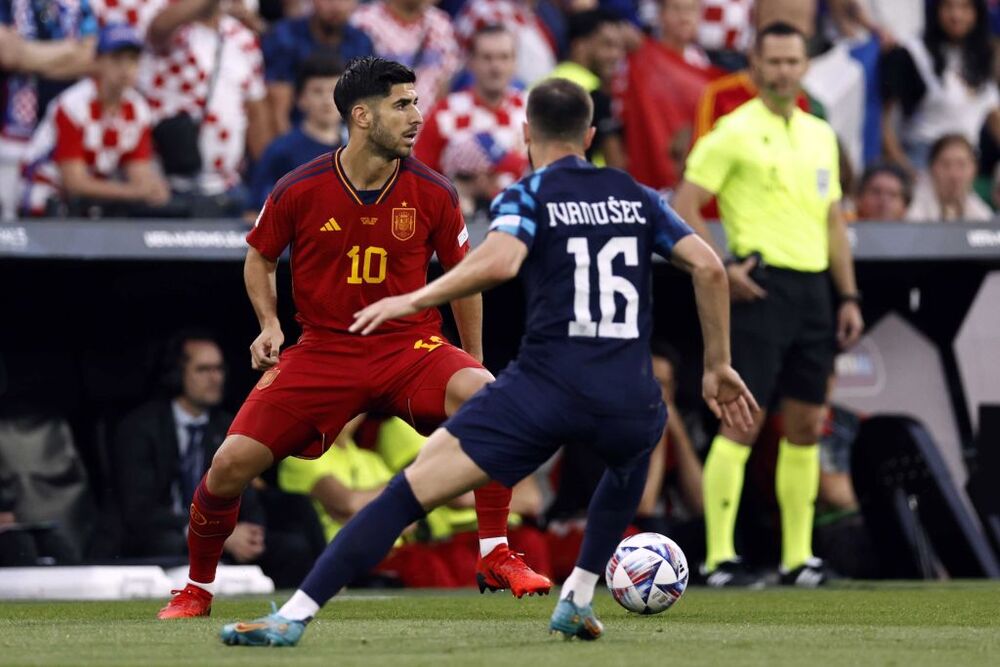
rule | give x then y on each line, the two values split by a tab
323	381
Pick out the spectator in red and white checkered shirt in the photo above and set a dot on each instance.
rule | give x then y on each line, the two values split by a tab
420	36
492	106
192	41
136	13
725	25
44	46
536	47
94	142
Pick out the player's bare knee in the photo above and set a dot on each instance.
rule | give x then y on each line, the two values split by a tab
442	471
803	422
237	462
463	385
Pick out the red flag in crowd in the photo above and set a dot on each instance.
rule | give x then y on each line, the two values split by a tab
658	110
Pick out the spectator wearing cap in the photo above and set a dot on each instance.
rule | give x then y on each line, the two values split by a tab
327	31
480	168
416	34
44	47
884	194
492	106
596	54
205	87
945	194
318	133
94	143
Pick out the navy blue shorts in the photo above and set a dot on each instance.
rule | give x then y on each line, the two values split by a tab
514	425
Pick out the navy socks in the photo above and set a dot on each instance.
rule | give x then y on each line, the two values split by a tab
364	541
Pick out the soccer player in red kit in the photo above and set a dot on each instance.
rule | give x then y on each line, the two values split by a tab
362	224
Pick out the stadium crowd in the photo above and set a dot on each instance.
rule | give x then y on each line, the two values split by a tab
194	108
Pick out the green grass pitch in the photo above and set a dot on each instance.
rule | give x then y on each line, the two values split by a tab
945	625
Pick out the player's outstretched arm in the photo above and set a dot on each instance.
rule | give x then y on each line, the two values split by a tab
495	261
722	387
259	274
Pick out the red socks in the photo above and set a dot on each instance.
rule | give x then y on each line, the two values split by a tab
492	509
212	522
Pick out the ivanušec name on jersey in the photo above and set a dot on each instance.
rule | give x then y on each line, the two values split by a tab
613	211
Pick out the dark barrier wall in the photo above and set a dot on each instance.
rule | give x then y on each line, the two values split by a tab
81	323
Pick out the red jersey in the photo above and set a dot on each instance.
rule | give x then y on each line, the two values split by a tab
724	96
347	254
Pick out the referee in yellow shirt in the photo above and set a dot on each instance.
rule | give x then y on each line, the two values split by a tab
774	170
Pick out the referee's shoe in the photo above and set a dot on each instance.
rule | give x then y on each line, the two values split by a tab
731	573
811	574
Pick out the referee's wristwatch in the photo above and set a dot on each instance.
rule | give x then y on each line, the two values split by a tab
854	297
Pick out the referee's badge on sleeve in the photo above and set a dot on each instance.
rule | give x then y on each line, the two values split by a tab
823	182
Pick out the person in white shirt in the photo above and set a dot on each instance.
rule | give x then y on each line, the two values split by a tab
206	65
945	194
940	84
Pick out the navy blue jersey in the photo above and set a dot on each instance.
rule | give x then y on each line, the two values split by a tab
590	234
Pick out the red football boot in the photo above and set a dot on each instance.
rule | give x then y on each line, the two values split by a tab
504	569
188	603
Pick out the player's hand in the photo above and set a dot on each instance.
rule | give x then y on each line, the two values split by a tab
368	319
728	398
264	349
741	286
246	543
849	324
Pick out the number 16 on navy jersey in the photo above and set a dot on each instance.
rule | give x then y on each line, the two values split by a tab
590	234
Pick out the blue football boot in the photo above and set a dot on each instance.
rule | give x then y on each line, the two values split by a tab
271	630
574	621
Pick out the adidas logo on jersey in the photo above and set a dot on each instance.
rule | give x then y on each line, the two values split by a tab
330	226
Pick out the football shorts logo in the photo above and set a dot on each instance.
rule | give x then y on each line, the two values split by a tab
268	377
435	343
404	223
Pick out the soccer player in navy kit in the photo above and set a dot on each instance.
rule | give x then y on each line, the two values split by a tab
582	238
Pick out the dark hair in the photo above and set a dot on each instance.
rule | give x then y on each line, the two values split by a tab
486	31
976	48
890	169
175	357
368	77
317	66
664	350
777	29
584	24
946	141
559	110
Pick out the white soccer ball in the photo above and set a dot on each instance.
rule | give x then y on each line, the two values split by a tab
648	573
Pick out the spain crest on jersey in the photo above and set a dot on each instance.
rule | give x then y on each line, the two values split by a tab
404	223
268	377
